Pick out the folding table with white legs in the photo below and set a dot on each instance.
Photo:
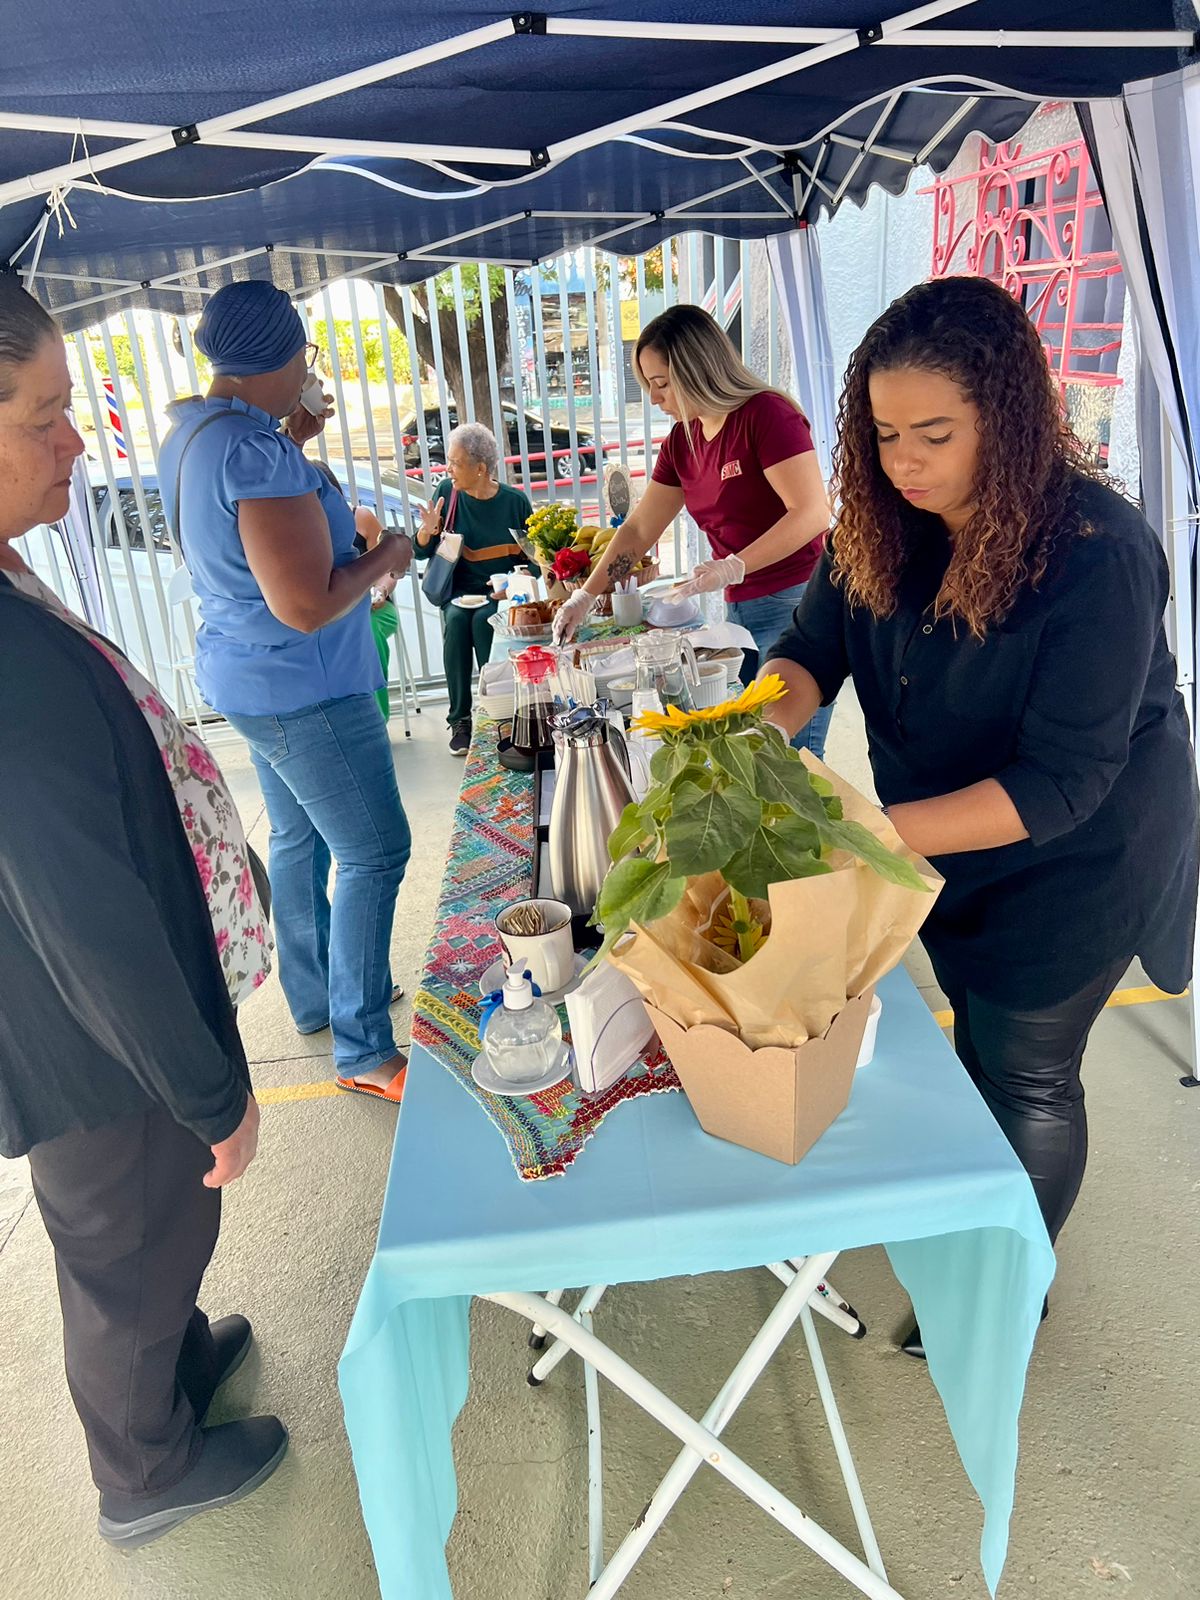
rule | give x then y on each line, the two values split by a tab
805	1291
915	1163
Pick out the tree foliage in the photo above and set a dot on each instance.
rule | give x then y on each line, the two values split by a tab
373	354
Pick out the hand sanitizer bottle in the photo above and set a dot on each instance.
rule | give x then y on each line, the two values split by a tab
523	1039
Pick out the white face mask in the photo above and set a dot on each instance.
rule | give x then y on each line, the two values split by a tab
312	397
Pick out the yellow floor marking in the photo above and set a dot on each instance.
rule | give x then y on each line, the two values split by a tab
285	1094
1139	996
296	1091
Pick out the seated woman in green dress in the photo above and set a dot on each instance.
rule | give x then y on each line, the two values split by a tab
489	516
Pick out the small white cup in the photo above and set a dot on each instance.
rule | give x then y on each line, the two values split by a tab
713	687
499	583
548	957
627	609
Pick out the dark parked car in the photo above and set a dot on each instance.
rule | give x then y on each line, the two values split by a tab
566	464
364	484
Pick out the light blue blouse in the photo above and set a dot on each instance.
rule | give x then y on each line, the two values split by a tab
247	661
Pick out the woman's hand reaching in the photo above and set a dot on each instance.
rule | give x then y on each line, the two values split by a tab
709	576
572	615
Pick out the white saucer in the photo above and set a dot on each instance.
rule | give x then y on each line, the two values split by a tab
493	979
470	602
487	1079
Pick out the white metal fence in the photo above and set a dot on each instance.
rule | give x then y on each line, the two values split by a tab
559	394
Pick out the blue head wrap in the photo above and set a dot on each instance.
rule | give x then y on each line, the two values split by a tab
249	328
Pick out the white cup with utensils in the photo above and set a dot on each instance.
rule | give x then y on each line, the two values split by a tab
547	955
627	609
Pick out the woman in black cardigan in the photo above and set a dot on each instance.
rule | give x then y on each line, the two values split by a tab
121	1071
999	608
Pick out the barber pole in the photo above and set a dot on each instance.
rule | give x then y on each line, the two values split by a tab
114	419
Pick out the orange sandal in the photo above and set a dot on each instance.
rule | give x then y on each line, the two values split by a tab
394	1091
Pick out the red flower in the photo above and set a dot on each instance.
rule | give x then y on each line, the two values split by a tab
570	563
245	888
259	979
222	940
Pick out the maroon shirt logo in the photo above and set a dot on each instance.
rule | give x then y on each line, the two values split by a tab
731	469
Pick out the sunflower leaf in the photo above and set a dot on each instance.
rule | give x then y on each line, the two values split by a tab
861	842
777	854
735	758
632	830
637	890
705	827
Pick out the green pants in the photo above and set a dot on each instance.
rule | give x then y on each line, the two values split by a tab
466	643
384	623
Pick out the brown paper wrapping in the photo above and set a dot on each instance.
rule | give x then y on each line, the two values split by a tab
832	938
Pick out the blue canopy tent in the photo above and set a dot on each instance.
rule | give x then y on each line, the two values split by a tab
150	163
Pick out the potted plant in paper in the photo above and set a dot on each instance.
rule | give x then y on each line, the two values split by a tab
755	899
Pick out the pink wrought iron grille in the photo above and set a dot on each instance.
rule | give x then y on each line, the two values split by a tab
1036	224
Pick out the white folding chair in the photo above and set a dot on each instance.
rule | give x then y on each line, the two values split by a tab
189	705
807	1289
408	684
182	663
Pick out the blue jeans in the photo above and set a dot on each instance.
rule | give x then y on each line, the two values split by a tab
767	618
330	790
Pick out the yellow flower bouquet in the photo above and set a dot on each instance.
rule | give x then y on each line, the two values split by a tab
754	901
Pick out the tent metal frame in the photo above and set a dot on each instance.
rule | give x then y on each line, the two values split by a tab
233	130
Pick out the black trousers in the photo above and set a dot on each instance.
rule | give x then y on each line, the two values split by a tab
133	1230
1026	1065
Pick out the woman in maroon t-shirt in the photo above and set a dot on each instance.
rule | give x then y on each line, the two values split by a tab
740	458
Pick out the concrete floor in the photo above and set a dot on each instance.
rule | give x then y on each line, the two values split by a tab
1110	1438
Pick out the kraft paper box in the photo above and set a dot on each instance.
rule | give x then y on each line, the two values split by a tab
778	1102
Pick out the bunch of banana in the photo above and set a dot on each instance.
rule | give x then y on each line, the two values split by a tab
595	539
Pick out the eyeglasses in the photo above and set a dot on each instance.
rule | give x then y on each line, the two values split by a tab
312	354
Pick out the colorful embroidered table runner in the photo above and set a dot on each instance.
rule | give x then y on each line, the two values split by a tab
490	864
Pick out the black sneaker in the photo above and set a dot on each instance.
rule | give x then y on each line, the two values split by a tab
235	1458
460	738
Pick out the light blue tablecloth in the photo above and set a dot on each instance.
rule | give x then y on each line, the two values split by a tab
915	1163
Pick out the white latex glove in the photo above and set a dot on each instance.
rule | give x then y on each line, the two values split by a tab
709	576
572	615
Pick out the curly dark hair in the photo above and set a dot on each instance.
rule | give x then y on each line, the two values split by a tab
975	333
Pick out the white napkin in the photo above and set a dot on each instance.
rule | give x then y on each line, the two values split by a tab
722	636
609	1027
496	677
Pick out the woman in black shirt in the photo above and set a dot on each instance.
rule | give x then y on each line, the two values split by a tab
999	608
121	1072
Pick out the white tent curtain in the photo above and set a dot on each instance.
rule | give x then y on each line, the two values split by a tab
1147	149
1146	146
796	267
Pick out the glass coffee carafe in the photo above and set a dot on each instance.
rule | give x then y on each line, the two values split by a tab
534	705
666	670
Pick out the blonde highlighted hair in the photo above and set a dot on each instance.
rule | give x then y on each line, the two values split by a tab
709	377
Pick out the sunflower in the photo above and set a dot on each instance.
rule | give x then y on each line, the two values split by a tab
758	695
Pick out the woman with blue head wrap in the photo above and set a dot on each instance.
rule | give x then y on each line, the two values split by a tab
285	652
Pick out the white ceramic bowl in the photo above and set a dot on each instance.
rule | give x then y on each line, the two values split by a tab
672	613
713	688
